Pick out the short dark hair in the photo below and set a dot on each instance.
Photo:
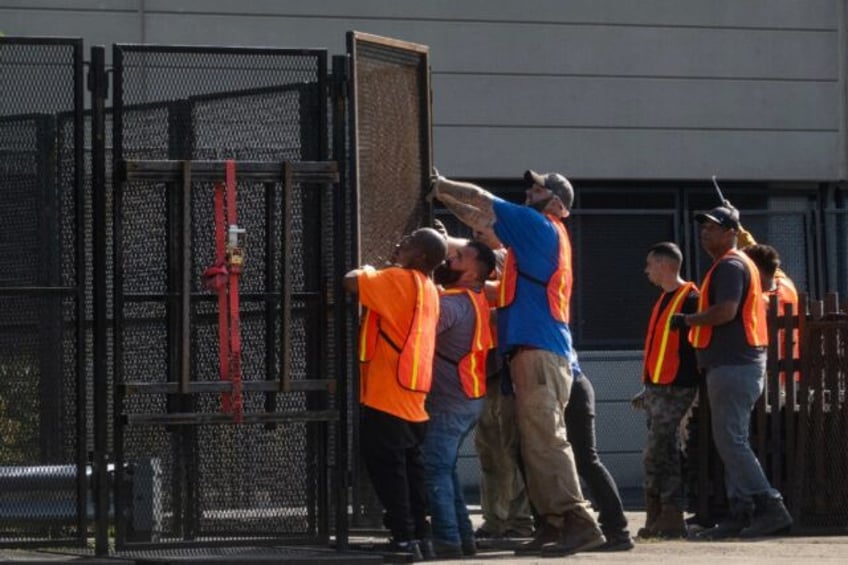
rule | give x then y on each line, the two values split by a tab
432	246
667	249
765	257
485	259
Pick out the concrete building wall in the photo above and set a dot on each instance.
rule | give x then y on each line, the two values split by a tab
607	89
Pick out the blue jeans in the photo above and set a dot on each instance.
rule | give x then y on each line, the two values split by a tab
733	391
448	513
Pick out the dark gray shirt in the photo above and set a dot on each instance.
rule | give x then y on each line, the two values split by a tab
453	341
729	346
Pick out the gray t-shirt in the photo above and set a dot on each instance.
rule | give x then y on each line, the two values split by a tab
453	341
729	346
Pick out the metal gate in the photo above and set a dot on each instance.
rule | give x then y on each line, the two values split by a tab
112	404
179	113
44	417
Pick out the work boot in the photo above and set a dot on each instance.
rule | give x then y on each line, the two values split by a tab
579	533
545	534
738	518
616	541
410	548
770	517
652	510
670	524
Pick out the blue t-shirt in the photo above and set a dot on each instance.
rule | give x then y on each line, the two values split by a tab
534	241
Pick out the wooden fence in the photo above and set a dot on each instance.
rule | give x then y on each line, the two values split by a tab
799	429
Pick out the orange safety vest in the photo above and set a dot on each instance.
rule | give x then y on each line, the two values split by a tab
472	366
753	307
662	344
786	294
415	357
558	286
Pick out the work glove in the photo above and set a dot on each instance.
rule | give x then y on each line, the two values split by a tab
678	322
744	238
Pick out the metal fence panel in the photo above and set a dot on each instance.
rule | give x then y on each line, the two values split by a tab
42	341
257	479
390	169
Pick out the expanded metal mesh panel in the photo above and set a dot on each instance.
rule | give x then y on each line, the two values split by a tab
216	104
40	117
836	222
392	117
609	252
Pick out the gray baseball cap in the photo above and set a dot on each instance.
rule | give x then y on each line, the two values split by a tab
554	182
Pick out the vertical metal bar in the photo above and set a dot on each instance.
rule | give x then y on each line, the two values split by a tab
270	301
99	87
355	248
81	278
319	399
341	478
185	280
118	291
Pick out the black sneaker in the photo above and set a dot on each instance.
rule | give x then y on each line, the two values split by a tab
469	547
443	549
616	542
410	547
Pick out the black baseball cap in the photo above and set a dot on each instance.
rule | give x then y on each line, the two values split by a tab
725	216
554	182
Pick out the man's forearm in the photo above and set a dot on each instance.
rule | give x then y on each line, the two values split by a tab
472	205
469	215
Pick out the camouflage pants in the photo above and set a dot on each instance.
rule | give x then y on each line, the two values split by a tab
665	407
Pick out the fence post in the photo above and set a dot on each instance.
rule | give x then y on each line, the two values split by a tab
99	87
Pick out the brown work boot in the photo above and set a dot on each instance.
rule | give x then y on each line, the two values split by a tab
579	533
545	534
670	524
652	511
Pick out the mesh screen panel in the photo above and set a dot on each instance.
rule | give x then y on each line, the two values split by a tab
392	145
609	270
40	113
215	104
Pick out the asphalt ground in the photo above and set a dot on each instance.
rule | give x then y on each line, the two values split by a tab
772	551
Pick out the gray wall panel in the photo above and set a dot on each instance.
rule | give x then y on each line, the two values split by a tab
623	154
538	48
614	88
808	14
634	102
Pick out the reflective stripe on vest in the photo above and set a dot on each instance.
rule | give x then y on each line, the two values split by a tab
662	344
558	287
753	307
415	358
472	367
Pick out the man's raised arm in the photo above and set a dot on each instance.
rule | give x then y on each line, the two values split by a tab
472	205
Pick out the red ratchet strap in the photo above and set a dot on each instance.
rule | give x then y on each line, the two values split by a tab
223	279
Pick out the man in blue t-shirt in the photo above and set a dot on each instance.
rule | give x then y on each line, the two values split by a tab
534	335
